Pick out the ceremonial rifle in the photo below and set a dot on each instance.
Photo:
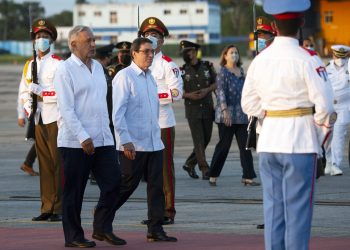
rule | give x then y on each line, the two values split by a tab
253	120
30	134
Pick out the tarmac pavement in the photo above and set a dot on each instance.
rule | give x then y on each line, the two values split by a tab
221	217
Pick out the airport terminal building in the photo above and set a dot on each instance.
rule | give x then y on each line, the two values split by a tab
199	22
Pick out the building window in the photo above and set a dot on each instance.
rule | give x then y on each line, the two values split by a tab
114	39
182	36
328	16
183	12
113	17
199	11
167	12
81	13
98	13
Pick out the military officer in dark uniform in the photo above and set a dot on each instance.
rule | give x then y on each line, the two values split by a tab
123	60
199	82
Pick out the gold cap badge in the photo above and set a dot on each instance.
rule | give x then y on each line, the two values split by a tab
151	21
41	22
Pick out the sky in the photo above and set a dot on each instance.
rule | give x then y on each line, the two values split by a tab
57	6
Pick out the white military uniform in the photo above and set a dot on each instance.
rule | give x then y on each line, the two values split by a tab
170	86
282	78
46	68
45	129
340	81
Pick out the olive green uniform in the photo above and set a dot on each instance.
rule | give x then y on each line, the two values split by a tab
199	113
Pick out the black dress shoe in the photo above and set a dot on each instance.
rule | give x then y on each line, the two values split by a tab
84	243
191	172
55	217
42	217
166	221
111	238
160	236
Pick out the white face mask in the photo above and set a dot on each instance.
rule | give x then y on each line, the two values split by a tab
42	44
154	41
340	61
235	57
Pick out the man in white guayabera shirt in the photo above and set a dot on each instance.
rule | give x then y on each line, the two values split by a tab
85	140
137	134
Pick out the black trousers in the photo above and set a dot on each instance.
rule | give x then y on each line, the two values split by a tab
149	164
201	130
223	147
77	165
30	158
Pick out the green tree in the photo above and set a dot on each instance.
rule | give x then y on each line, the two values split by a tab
65	18
14	19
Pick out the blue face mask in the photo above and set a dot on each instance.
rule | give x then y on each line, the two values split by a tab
42	44
154	41
261	44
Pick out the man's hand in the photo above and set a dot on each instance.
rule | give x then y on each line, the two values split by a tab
227	118
192	95
203	93
88	146
21	122
129	151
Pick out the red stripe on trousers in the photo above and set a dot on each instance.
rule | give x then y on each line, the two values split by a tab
170	175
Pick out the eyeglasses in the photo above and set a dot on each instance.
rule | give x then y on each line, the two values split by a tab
147	51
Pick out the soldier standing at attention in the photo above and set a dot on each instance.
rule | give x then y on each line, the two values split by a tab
124	58
288	87
44	34
338	74
170	84
199	82
264	32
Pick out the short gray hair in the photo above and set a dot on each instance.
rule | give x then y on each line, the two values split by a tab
74	32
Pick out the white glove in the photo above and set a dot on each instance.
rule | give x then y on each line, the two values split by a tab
27	106
35	88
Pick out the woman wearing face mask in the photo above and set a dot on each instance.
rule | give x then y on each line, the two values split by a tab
338	74
230	118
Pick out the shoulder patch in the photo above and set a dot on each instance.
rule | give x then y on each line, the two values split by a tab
56	57
166	58
311	52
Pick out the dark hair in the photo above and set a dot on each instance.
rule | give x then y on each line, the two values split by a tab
289	27
136	44
224	52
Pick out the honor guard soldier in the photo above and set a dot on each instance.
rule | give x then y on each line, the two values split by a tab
338	74
288	87
264	32
43	35
170	84
199	82
123	56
